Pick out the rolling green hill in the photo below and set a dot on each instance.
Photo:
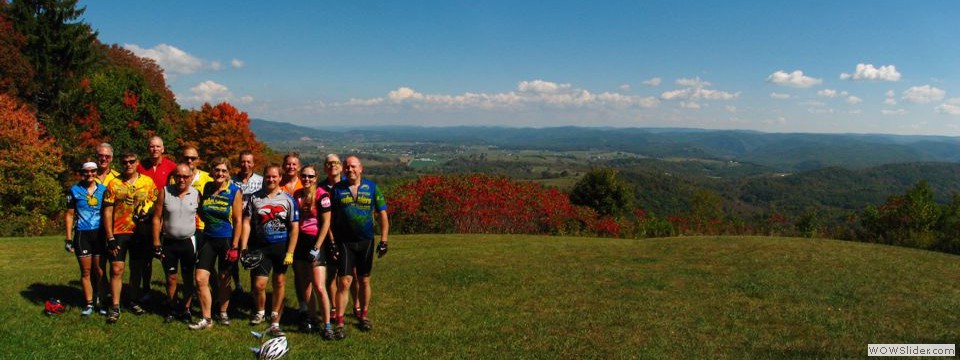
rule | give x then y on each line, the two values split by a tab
503	296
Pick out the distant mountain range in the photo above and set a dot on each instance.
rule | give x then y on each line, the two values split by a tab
784	152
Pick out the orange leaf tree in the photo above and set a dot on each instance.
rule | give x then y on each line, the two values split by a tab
29	166
220	130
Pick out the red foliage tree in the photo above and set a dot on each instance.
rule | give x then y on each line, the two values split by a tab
220	130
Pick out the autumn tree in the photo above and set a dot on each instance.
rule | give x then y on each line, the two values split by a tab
29	166
220	130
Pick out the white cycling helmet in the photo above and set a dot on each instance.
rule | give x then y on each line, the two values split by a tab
272	349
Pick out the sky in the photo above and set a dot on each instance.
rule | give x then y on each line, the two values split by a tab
849	66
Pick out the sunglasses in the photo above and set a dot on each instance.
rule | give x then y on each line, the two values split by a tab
102	156
306	176
129	162
191	158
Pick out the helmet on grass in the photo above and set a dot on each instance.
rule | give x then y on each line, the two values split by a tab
54	307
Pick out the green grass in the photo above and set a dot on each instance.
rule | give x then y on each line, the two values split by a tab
501	296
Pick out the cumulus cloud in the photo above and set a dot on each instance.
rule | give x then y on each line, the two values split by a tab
950	107
215	65
793	79
210	91
652	82
868	72
541	86
830	93
779	96
923	94
528	93
624	87
696	90
897	112
690	105
236	63
853	100
170	58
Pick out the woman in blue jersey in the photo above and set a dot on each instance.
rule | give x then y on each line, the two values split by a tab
84	239
221	211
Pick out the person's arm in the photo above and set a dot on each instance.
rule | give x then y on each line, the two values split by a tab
158	218
384	225
237	213
324	229
245	232
68	218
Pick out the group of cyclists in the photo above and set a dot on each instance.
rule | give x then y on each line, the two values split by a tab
203	225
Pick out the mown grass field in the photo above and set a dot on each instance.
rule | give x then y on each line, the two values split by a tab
502	296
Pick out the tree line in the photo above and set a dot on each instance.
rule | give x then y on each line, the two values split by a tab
63	92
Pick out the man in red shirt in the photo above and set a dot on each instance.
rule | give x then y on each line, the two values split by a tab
156	166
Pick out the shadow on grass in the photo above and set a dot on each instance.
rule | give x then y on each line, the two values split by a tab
38	293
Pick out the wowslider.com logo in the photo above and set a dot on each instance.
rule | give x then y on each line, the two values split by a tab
911	350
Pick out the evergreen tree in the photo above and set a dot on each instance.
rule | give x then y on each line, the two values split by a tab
601	190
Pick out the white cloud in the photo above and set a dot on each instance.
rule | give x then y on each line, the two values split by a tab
690	105
868	72
529	93
814	103
695	82
890	93
853	100
236	63
246	99
541	86
215	65
830	93
170	58
897	112
624	87
209	91
695	91
779	96
652	82
794	79
923	94
404	93
731	108
890	101
950	107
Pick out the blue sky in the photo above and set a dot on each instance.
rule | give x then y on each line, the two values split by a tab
774	66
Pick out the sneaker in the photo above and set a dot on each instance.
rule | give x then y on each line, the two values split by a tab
87	310
201	325
339	333
222	319
113	316
274	331
365	325
103	311
257	319
136	309
327	333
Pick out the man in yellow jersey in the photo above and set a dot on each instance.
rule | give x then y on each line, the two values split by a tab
104	159
126	206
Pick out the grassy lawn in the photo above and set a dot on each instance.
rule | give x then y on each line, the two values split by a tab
501	296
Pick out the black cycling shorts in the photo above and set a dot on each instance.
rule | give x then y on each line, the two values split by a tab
179	252
355	255
214	250
87	243
123	244
273	255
